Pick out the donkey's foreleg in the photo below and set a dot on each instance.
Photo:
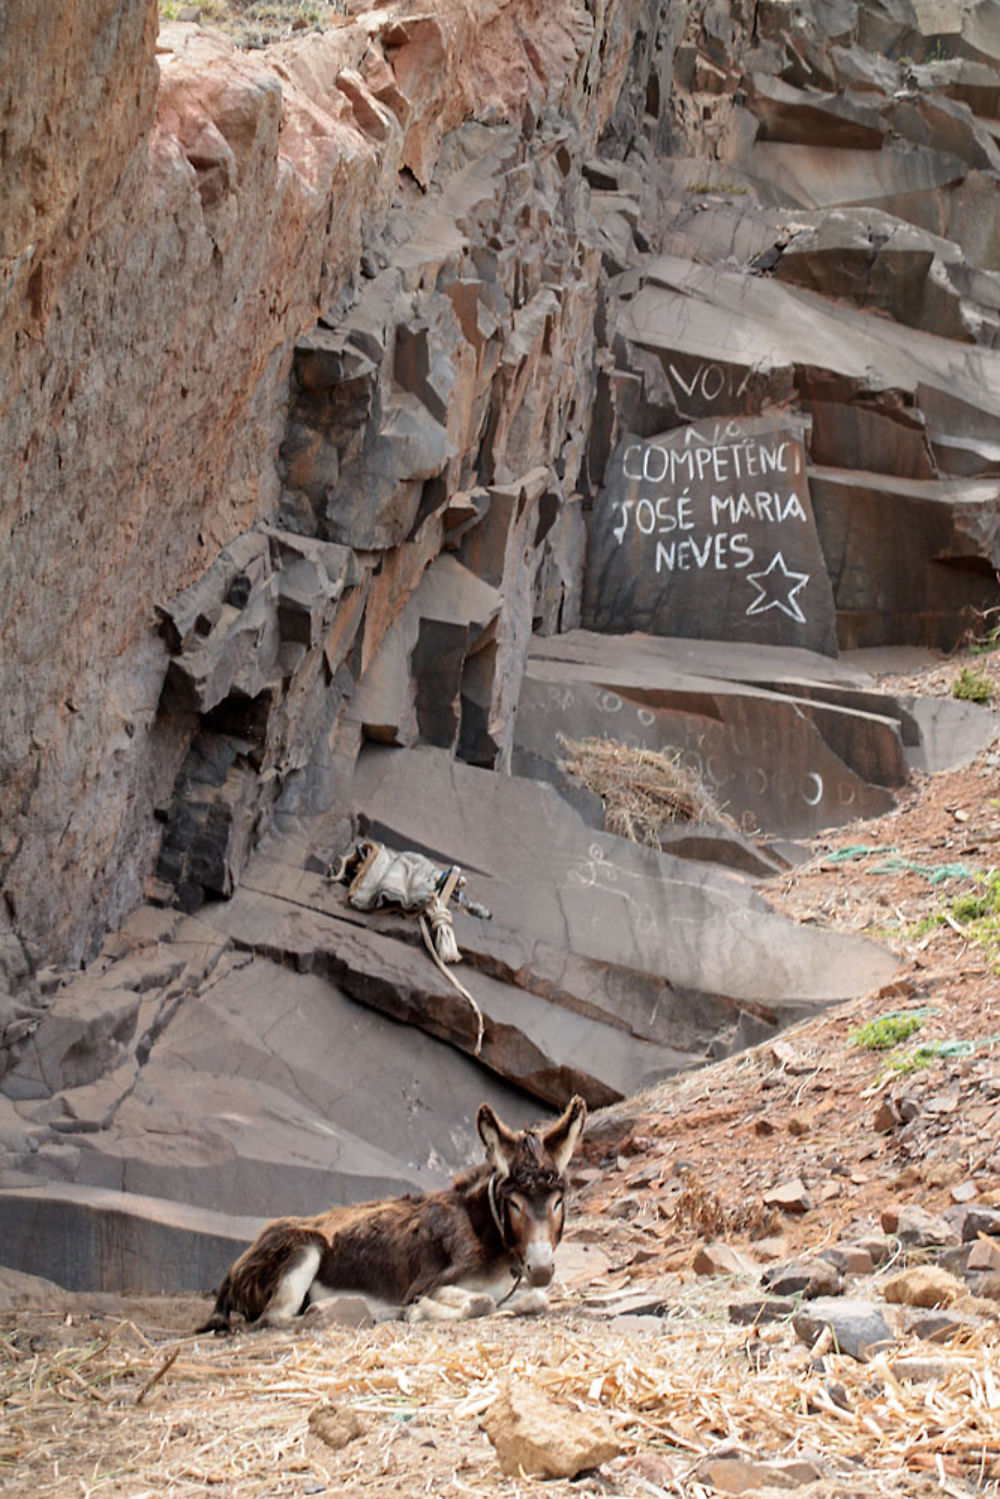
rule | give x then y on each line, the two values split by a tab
450	1304
296	1276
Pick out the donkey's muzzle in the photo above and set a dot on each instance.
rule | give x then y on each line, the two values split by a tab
539	1265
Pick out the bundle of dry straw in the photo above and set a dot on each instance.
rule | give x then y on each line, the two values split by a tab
643	790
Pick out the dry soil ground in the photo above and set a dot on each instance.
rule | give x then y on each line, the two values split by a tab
112	1396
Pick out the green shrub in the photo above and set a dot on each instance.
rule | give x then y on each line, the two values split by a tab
887	1030
972	686
734	189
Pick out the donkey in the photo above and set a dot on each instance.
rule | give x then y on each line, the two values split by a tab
486	1241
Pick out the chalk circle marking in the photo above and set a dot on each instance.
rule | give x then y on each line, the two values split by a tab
815	782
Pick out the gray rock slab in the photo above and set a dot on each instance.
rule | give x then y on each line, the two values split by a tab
809	117
876	441
695	311
947	125
936	733
85	1033
952	732
276	1093
602	897
897	181
87	1238
731	660
868	732
237	1145
411	1098
780	761
543	1048
720	845
908	558
271	1091
448	597
686	1021
970	79
880	263
86	1109
709	530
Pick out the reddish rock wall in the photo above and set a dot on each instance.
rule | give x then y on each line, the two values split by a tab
164	243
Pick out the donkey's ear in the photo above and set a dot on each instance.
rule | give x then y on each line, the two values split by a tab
497	1138
560	1138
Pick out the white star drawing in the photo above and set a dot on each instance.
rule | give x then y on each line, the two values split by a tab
778	591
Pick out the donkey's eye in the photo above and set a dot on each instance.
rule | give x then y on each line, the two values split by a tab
516	1206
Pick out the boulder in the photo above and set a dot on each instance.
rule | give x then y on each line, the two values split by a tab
722	1259
534	1436
916	1228
850	1259
858	1327
810	1276
980	1220
789	1196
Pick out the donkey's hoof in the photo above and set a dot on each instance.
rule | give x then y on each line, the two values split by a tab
480	1305
530	1303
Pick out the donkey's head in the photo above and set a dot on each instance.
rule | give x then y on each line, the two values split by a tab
529	1185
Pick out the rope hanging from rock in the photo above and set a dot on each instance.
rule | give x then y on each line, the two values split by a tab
429	944
409	881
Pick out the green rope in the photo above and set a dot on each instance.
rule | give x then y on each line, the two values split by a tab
854	851
896	864
937	874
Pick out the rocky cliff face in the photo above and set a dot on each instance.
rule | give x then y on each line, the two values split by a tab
173	224
281	330
343	382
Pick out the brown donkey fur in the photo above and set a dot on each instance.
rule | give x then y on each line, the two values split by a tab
489	1238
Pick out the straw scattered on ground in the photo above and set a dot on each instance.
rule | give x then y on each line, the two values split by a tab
116	1415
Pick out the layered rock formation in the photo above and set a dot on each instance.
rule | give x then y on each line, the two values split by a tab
341	386
155	280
